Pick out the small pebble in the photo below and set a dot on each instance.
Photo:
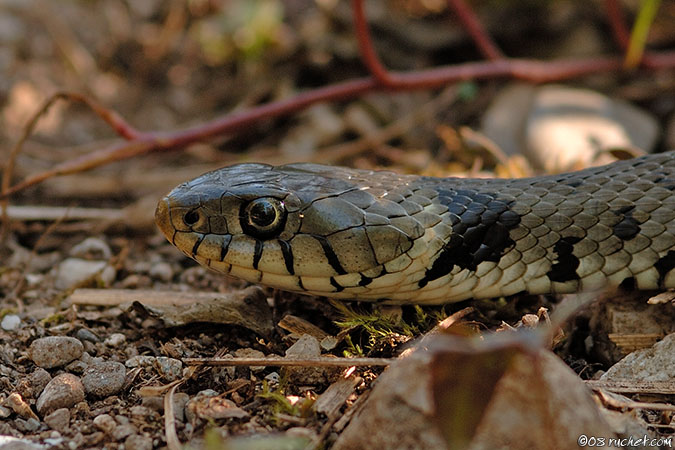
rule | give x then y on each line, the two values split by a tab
161	271
305	347
140	361
141	411
105	423
171	369
27	426
180	399
77	367
104	379
4	412
138	442
63	391
85	335
32	385
10	322
54	351
122	431
58	420
92	248
115	340
12	443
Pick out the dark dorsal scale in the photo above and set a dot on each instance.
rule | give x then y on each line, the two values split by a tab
480	231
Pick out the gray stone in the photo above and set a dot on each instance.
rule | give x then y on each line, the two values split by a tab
28	425
115	340
138	442
63	391
104	379
123	430
649	364
305	347
86	335
171	369
140	361
54	351
105	423
58	420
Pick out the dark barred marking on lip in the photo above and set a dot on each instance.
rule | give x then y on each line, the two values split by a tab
336	285
365	281
330	255
224	247
287	253
197	244
565	267
665	265
257	253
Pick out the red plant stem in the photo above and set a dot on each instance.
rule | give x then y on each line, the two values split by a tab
368	54
474	27
619	29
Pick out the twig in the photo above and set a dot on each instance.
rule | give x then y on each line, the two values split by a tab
285	362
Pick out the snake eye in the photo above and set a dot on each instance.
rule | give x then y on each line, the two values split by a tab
191	217
263	217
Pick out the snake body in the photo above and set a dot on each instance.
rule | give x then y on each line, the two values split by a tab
381	236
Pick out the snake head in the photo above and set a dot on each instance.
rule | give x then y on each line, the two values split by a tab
300	227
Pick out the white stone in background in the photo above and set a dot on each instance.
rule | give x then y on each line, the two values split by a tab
75	271
560	128
10	322
91	248
115	340
161	271
650	364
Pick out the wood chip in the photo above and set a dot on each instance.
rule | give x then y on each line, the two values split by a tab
301	326
330	402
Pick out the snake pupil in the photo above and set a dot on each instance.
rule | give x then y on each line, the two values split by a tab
262	213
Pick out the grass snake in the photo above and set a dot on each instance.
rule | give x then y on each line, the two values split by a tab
380	236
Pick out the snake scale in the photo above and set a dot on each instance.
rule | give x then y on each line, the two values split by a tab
380	236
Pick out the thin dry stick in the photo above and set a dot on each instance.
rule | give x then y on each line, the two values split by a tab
114	120
286	362
172	441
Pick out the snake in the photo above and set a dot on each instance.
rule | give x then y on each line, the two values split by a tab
385	237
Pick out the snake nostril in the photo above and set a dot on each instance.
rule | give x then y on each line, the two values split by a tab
191	217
